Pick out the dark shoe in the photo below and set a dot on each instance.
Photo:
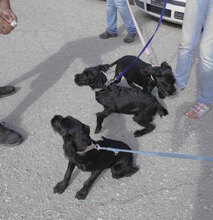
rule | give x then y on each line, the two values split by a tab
6	91
130	38
106	35
9	137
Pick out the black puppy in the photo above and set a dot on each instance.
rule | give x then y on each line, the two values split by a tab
146	76
77	148
117	99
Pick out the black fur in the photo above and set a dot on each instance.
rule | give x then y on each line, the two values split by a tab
93	161
117	99
146	76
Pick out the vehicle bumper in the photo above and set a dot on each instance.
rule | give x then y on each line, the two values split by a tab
174	9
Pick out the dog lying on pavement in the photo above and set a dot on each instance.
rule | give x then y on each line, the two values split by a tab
146	76
117	99
76	148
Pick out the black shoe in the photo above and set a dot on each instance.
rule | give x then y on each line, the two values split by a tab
106	35
130	38
6	91
9	137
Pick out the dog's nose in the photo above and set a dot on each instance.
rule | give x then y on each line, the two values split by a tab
76	78
173	90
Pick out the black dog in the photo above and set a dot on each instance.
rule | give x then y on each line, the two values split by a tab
76	141
117	99
146	76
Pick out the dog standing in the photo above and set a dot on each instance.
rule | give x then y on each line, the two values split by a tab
117	99
76	148
146	76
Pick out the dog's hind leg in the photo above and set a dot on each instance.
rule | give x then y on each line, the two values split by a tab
148	127
82	193
61	186
121	169
100	119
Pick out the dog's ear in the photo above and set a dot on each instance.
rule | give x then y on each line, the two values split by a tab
69	145
104	67
82	140
104	79
165	65
146	70
87	129
101	80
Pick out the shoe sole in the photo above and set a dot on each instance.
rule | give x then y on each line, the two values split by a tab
18	142
135	38
9	94
109	37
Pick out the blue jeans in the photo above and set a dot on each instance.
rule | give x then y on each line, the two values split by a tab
198	15
112	6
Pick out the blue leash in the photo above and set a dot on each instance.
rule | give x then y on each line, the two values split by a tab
161	154
147	44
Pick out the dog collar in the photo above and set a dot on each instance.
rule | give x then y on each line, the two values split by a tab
97	89
90	147
152	78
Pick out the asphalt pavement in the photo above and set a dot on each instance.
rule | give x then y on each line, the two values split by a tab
55	40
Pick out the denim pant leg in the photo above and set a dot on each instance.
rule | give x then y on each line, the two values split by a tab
194	17
111	17
123	9
205	74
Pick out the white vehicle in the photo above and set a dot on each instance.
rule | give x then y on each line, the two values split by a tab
174	9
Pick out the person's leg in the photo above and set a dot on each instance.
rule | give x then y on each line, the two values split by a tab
111	17
8	137
191	30
126	16
111	30
205	74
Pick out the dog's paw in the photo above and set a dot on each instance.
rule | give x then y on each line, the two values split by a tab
60	187
81	194
139	133
97	130
161	95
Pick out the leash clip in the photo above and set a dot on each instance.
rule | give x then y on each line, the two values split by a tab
97	147
109	82
116	153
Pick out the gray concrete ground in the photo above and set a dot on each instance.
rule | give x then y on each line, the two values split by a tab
53	41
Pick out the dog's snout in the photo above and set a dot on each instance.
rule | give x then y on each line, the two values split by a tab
78	78
55	119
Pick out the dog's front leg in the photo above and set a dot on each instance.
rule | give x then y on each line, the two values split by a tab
61	186
82	193
100	118
161	94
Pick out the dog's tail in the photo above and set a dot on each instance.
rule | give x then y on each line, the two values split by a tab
161	110
106	67
112	64
104	138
